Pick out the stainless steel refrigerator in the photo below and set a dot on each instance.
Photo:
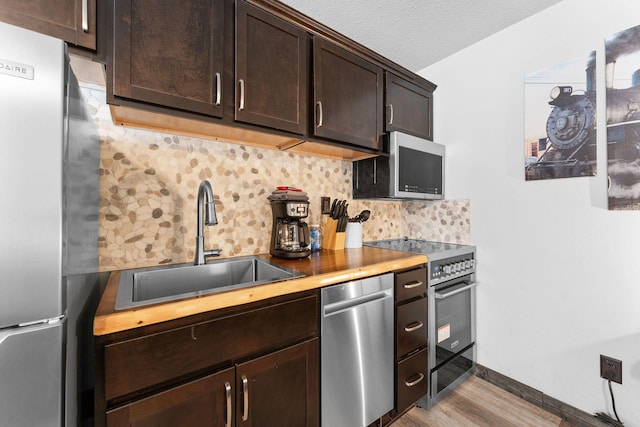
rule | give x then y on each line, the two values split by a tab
49	204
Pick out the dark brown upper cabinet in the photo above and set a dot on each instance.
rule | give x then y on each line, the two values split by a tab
171	55
408	107
272	68
73	21
347	96
254	72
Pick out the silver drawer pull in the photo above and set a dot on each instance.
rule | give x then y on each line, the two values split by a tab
412	285
413	327
227	389
414	382
245	396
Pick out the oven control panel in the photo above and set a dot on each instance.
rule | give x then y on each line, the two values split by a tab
450	268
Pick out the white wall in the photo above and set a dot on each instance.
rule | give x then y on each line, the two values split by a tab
559	274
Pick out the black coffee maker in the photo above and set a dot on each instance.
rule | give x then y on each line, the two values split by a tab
290	235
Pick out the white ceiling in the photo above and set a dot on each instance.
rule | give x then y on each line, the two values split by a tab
418	33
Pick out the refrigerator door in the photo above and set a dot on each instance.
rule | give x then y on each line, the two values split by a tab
30	375
32	75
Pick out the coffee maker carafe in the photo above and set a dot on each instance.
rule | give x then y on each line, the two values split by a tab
290	235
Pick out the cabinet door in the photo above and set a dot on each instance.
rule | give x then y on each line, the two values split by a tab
371	178
170	55
408	107
280	389
204	402
73	21
347	96
271	70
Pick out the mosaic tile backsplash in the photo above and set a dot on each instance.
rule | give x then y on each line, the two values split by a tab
149	183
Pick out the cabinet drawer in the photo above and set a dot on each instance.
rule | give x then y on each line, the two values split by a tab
412	375
143	362
411	284
411	327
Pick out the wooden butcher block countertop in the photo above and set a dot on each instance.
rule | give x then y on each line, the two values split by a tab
320	269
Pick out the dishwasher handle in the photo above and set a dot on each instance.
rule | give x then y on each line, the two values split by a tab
340	306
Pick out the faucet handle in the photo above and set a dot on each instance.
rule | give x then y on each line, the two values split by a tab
212	252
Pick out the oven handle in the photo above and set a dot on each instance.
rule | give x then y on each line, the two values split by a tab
457	291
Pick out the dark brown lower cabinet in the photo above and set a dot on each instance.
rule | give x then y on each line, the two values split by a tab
278	389
412	372
202	402
253	365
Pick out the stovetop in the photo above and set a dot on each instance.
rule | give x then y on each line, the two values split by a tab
433	250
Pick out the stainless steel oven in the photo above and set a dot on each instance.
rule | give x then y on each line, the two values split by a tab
451	312
452	329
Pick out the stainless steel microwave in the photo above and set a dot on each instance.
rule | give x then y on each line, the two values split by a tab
410	168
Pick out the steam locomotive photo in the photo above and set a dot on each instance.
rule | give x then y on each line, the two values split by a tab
623	120
570	146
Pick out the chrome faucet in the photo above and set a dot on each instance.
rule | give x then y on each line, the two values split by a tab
205	191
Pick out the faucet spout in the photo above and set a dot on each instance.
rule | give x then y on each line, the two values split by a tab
206	211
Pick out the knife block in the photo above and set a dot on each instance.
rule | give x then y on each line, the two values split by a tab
333	240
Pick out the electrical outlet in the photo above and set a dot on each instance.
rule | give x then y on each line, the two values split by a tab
611	369
325	205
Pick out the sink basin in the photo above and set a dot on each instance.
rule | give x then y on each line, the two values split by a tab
160	284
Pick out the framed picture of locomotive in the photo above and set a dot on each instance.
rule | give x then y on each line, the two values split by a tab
622	78
560	120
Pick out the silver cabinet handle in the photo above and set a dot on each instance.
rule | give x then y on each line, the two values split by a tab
319	114
390	114
241	95
412	383
85	16
412	285
218	89
245	397
227	389
413	327
457	291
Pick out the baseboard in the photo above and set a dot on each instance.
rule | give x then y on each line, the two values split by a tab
536	397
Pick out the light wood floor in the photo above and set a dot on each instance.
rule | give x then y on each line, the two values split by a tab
477	403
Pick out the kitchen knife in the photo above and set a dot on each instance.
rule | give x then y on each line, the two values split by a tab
345	217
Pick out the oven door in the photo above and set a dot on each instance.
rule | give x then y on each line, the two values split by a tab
454	309
452	336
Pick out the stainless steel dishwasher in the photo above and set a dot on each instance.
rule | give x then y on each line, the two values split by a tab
357	352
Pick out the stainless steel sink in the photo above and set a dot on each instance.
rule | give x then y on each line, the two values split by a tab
160	284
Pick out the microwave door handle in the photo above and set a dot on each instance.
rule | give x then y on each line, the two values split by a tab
457	291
